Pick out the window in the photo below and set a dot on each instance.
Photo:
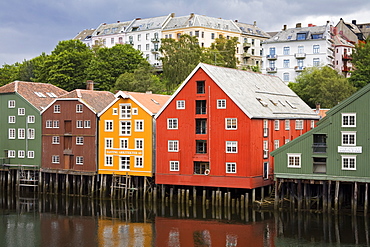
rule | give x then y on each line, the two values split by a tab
31	119
299	124
11	133
174	166
180	104
108	125
230	167
200	126
31	133
79	108
139	161
135	111
31	154
114	111
56	108
201	146
265	149
265	128
56	124
316	49
294	160
11	119
348	119
300	49
79	160
108	142
348	162
287	140
173	146
123	143
317	36
286	63
201	87
11	103
108	160
172	123
200	167
21	133
212	36
272	51
125	111
348	138
287	124
301	36
79	124
316	62
55	159
139	125
286	50
201	107
276	144
21	111
221	104
319	143
300	63
125	128
286	77
125	163
87	124
277	124
231	123
11	153
139	143
55	140
231	146
312	124
21	153
79	140
49	124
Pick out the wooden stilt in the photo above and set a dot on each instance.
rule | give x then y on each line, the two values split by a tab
324	197
336	196
366	203
299	193
355	199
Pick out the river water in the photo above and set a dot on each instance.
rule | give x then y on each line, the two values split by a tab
39	220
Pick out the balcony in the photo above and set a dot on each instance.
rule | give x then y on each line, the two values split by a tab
246	54
155	40
300	55
130	42
346	57
271	57
271	70
155	50
319	148
299	68
346	69
247	45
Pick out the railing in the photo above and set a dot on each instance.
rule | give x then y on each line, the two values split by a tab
299	68
246	54
346	69
300	55
247	45
271	56
319	148
271	70
155	39
346	57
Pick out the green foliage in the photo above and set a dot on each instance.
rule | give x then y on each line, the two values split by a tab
322	85
226	49
109	63
179	58
9	73
143	79
360	76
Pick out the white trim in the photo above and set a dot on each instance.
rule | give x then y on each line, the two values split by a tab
294	156
348	157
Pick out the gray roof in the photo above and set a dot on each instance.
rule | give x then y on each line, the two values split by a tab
257	95
113	28
250	29
194	20
84	34
290	34
148	23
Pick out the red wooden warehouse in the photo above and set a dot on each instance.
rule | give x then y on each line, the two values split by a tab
219	126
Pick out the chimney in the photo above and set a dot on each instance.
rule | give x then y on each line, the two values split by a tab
310	25
298	25
90	85
255	23
191	15
317	108
236	21
118	21
354	22
172	15
284	28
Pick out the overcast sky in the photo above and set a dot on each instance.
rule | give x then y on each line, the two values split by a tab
30	27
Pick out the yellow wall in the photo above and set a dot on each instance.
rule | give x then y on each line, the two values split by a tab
116	152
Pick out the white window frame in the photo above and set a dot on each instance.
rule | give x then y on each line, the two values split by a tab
79	108
55	159
294	156
125	111
174	165
265	149
11	133
108	161
231	123
108	142
21	111
55	140
312	124
79	140
123	143
115	111
277	124
173	146
56	108
276	144
127	128
139	161
139	125
287	124
31	154
31	133
180	104
348	133
348	116
49	124
11	119
108	125
21	133
265	128
87	124
11	103
348	158
79	124
31	119
172	123
230	167
11	153
79	160
21	154
135	111
139	143
56	124
221	104
127	163
299	124
231	147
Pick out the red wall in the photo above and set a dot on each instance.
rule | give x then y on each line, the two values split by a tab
249	135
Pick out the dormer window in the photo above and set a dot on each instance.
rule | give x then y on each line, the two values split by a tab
301	36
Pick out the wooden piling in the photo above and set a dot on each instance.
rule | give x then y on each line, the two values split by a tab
355	198
194	195
336	197
204	197
366	203
324	197
171	195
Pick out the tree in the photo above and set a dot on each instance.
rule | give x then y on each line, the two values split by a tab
322	85
227	51
109	63
9	73
360	76
179	58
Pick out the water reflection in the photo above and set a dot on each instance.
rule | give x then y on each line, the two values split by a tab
43	220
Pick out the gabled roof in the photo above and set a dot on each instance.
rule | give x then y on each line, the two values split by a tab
194	20
249	29
84	35
112	28
148	23
257	95
95	100
290	34
40	95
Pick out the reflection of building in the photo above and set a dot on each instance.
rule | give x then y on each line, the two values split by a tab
115	233
219	126
179	232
